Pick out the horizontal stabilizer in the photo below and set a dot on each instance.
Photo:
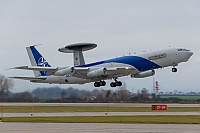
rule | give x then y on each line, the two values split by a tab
49	70
35	68
29	78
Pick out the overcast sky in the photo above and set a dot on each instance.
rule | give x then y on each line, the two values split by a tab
118	27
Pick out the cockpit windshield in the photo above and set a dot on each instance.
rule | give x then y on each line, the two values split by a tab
182	49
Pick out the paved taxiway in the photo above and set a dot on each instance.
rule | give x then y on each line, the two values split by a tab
97	128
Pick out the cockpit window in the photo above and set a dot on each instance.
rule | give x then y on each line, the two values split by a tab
182	49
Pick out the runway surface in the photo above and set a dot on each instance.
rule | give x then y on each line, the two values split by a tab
97	128
99	114
97	104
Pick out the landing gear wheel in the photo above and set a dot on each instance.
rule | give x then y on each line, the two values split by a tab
113	84
174	69
118	83
96	84
102	83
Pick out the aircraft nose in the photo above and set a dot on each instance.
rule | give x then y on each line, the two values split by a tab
190	54
187	56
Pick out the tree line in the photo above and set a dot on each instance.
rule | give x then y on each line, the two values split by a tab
57	94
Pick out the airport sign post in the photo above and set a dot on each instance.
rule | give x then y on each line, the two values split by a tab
159	107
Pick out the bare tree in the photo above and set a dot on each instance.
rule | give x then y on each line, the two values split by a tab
144	92
122	94
5	85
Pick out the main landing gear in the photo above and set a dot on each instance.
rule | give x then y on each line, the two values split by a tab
116	83
100	83
174	69
112	84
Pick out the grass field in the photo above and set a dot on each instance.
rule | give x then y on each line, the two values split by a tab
49	109
188	97
110	119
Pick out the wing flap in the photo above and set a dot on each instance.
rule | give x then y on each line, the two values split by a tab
81	69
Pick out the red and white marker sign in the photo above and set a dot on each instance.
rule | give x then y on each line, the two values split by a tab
159	107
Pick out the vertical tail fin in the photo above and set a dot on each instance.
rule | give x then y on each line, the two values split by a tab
37	59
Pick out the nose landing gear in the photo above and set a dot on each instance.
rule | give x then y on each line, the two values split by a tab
174	69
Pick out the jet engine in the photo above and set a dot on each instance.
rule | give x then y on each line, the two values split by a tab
98	72
64	71
143	74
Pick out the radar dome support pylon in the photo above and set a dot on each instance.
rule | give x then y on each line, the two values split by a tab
77	50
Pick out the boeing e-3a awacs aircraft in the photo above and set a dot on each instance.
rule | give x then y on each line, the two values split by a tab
137	66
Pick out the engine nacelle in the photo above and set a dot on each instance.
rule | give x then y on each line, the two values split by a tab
98	72
144	74
65	71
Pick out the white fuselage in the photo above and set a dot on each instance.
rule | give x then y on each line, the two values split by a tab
138	63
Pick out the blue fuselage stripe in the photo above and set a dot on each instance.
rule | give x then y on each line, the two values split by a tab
140	63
